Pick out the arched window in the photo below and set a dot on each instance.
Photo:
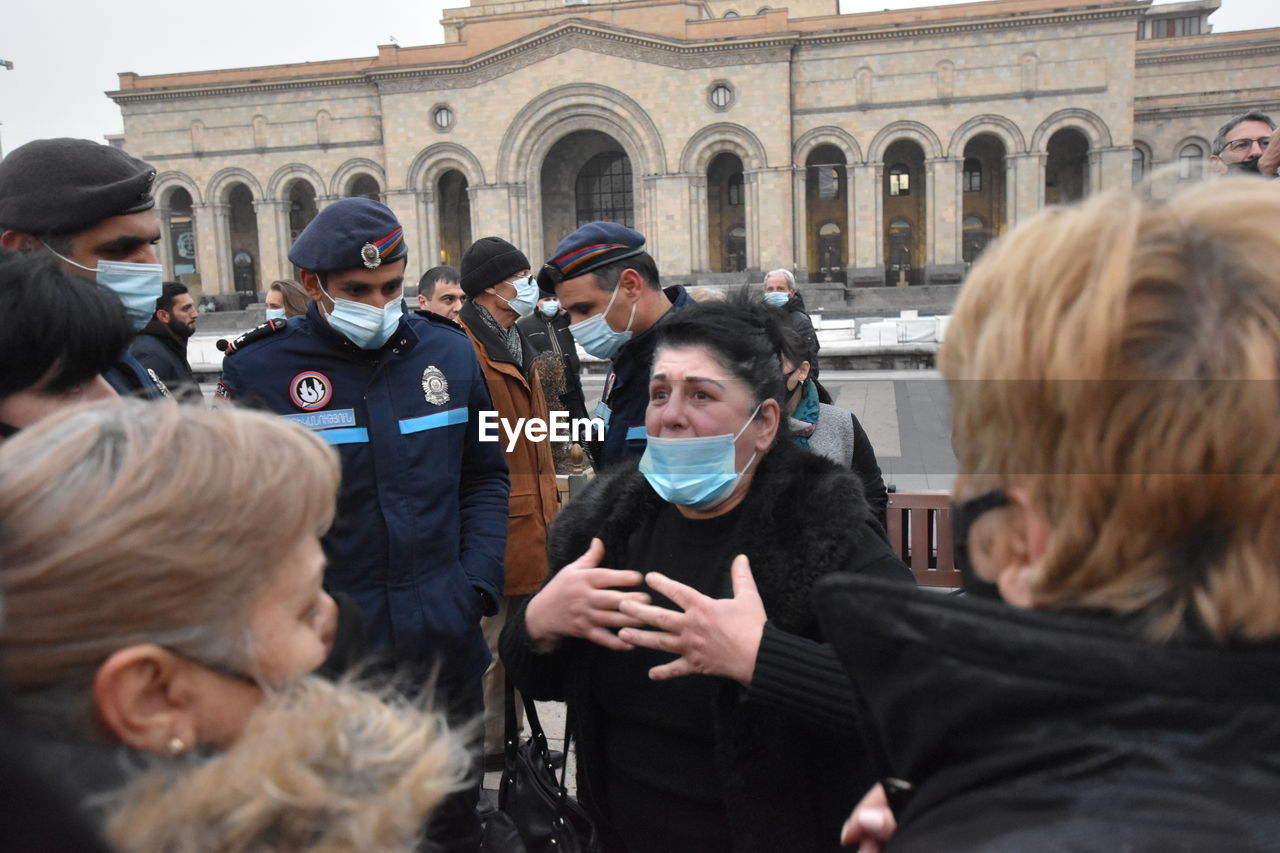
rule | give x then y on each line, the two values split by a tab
899	179
735	189
972	175
1191	162
731	14
604	189
363	186
1139	165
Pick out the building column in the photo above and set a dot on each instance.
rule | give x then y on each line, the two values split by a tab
1029	190
166	244
751	198
518	215
698	226
942	263
1010	193
851	240
669	243
273	240
428	242
800	218
214	264
491	211
867	269
1114	168
402	205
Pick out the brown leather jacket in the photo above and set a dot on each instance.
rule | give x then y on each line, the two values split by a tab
534	499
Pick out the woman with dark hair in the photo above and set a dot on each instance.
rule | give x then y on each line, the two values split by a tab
58	334
686	764
826	429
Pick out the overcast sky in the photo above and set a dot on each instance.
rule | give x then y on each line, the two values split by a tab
66	53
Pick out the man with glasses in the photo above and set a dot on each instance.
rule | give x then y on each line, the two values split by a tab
1240	144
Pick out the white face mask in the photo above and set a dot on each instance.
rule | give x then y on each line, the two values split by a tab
138	286
365	326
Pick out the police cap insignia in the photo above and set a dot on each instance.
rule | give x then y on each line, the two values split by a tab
435	387
369	254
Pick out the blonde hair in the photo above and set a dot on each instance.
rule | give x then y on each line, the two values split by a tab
1100	357
295	296
320	767
145	523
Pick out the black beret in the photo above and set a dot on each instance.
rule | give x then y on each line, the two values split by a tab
61	186
489	261
350	234
592	246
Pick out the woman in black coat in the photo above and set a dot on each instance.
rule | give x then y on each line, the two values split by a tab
688	764
1117	486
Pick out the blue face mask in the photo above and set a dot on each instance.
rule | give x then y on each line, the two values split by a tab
365	326
526	296
777	298
594	335
138	286
275	314
550	308
697	472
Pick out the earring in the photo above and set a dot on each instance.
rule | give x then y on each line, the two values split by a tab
177	746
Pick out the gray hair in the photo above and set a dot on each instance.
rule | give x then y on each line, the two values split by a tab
791	279
1220	141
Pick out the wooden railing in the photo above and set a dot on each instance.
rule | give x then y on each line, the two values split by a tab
920	533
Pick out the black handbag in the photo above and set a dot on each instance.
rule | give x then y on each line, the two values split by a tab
547	818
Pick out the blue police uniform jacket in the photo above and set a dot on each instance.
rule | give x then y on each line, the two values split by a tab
626	390
421	524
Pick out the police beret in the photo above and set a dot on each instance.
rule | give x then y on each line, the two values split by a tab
352	233
61	186
592	246
489	261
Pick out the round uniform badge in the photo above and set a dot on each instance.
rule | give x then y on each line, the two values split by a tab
434	386
310	390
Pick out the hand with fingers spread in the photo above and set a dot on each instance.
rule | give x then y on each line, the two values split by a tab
712	636
581	601
871	825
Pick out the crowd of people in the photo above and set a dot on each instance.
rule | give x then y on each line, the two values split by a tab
287	618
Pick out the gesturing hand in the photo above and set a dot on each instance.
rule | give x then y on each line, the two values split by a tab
713	636
1270	159
578	602
871	825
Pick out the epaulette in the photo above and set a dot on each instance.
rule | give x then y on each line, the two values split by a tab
257	333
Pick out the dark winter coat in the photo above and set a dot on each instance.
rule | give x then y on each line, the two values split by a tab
1047	731
803	326
157	350
421	522
789	784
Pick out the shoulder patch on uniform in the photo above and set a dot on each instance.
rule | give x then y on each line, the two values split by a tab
254	335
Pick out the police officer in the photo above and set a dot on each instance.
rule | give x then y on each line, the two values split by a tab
421	525
609	286
91	206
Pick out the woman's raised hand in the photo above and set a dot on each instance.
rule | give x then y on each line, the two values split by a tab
581	600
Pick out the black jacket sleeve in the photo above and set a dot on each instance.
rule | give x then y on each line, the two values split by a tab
868	471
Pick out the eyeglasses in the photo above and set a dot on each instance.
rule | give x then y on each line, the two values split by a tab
1239	146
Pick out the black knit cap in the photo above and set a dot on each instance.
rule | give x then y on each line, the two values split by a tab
489	261
62	186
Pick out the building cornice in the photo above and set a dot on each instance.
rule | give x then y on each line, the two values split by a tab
653	48
1204	53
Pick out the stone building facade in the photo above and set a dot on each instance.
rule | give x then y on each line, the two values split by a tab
864	150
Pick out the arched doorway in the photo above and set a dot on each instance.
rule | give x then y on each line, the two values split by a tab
982	194
904	212
302	207
455	216
586	176
826	212
726	214
242	242
182	236
1066	169
364	186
